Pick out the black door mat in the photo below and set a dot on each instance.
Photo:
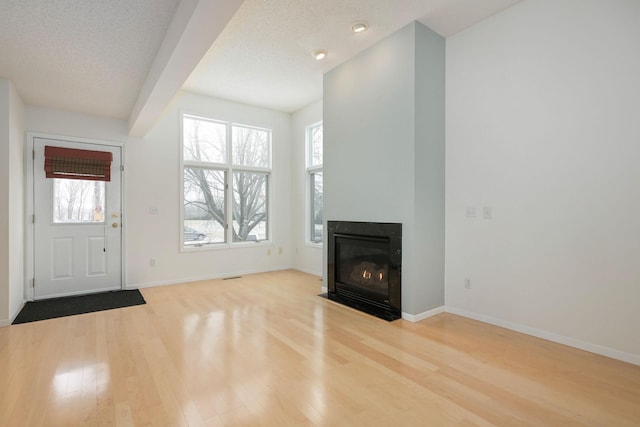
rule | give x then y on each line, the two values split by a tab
69	306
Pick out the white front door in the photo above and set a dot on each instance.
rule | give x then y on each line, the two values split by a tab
77	228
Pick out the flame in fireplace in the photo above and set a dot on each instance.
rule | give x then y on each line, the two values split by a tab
367	275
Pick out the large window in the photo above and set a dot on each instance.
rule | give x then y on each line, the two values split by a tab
314	180
226	176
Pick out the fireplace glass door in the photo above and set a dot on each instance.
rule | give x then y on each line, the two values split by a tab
362	266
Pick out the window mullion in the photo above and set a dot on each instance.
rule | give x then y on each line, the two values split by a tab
254	169
205	165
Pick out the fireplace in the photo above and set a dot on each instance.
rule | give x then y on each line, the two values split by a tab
364	266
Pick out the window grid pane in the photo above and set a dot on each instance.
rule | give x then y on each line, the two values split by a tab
315	145
204	206
204	140
314	169
316	207
250	202
250	147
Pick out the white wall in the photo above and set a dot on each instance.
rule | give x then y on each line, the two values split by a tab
542	125
307	257
64	123
16	203
5	144
153	180
374	143
11	202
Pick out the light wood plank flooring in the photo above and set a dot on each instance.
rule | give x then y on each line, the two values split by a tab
264	350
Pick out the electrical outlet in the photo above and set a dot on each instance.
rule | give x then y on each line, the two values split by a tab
268	251
470	212
467	283
487	212
152	262
279	251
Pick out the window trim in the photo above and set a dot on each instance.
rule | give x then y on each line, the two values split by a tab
229	168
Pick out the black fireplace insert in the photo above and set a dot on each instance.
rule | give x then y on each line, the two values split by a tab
364	266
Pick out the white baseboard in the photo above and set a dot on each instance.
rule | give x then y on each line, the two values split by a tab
304	270
549	336
200	278
425	314
8	322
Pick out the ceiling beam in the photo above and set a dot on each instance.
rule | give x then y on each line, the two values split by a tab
195	26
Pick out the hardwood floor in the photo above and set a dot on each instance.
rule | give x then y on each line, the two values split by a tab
264	350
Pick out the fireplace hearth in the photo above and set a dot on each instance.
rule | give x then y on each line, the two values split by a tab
364	266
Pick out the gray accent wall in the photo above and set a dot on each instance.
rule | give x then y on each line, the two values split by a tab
384	151
430	165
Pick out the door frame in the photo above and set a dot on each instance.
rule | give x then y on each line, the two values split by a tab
29	204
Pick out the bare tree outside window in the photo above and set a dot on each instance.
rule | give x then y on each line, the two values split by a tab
77	200
315	190
315	149
204	205
204	140
250	146
207	169
316	206
249	206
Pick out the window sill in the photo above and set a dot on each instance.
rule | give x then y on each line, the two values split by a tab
223	246
315	245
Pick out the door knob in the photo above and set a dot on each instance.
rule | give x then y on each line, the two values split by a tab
114	225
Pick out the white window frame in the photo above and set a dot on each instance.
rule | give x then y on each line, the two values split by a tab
310	169
229	168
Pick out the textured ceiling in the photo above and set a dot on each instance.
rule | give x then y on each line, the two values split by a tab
263	55
91	55
104	57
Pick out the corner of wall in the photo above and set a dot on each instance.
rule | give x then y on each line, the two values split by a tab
5	225
17	204
549	336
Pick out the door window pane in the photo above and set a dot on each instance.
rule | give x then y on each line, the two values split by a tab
78	201
204	140
204	208
249	206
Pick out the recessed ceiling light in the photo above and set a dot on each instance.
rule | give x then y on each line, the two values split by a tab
319	54
359	27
